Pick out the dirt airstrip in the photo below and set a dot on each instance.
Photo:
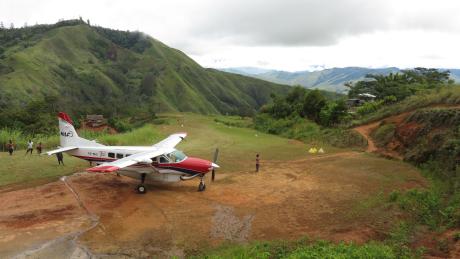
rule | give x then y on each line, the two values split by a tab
333	196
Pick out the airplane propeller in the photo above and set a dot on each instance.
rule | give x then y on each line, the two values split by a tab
214	165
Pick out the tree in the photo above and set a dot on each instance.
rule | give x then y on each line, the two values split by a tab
333	113
430	76
295	98
313	102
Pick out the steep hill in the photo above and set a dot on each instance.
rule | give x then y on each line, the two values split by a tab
94	69
332	79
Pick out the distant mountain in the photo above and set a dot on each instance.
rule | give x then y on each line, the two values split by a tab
95	69
247	71
332	79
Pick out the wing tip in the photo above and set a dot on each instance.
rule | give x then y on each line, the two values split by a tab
103	169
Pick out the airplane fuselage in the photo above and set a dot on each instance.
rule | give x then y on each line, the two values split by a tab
161	168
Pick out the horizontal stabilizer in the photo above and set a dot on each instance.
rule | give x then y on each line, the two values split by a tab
59	150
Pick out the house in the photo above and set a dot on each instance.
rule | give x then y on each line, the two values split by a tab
362	98
95	120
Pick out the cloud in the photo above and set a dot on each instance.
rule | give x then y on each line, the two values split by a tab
289	34
290	22
317	23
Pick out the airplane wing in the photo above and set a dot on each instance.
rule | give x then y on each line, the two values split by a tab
165	146
171	141
59	150
142	157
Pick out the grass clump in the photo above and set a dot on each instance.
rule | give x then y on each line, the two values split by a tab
299	128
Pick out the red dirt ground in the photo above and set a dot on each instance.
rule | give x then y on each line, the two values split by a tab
333	196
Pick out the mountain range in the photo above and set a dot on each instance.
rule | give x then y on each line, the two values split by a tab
94	69
332	79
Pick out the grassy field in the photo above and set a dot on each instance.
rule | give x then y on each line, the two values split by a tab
34	169
237	147
303	249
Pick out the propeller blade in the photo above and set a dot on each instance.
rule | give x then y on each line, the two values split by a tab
214	165
216	153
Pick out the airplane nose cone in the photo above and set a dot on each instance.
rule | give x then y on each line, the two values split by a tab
215	165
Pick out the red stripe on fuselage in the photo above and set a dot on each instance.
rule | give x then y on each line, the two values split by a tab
190	163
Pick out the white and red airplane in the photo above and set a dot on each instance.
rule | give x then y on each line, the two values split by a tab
159	162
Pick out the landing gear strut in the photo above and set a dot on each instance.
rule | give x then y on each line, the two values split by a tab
202	185
141	188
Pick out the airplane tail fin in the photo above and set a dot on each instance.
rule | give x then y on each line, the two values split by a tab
68	134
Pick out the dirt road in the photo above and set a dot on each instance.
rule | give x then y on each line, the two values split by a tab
331	196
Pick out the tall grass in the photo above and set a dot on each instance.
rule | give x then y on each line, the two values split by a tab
20	139
146	135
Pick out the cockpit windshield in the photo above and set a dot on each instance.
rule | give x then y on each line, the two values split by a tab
176	156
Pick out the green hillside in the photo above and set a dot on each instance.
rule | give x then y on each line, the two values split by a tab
94	69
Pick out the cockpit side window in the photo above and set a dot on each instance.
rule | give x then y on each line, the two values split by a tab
176	156
163	160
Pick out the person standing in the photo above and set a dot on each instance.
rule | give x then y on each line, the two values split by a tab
10	147
257	163
30	147
60	158
39	148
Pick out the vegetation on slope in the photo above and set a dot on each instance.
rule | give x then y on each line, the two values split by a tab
308	116
99	70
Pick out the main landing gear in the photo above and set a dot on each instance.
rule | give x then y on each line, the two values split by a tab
141	188
202	185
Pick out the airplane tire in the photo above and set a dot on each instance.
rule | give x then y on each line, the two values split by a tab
141	189
201	187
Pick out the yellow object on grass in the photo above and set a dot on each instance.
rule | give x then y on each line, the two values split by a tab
313	150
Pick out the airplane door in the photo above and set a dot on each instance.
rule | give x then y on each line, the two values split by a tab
155	161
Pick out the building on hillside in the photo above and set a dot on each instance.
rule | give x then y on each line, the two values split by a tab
95	120
367	97
361	99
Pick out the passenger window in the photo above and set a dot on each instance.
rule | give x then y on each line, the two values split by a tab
127	155
112	155
119	156
163	160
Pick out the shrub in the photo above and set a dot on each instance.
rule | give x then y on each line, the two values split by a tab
369	107
119	124
432	207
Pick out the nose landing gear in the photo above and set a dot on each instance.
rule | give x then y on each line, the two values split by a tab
141	188
202	185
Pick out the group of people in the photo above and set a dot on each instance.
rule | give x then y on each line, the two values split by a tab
30	148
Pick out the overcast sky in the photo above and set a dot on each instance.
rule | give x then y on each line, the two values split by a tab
288	35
